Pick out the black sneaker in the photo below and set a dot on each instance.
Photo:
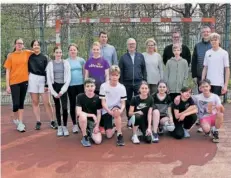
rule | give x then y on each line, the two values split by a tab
207	134
85	141
53	125
215	136
38	125
120	140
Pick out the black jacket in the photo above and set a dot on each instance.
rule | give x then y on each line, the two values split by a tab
168	53
132	73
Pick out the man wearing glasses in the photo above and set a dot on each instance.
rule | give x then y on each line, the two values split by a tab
185	54
133	70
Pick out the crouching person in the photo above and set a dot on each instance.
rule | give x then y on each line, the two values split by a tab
140	112
89	113
184	114
113	96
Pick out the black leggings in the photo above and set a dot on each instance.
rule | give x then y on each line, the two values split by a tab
57	87
73	91
18	93
187	123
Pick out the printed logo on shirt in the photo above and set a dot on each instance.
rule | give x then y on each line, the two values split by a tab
98	65
141	106
210	55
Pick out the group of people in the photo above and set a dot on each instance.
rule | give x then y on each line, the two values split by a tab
101	88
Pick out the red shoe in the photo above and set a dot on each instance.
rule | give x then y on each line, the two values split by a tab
102	130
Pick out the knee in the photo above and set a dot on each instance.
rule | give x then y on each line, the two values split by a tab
109	133
97	138
156	113
82	118
205	127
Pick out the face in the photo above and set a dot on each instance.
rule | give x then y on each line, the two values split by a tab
103	38
36	46
162	88
131	45
215	42
205	88
114	76
177	51
176	37
73	51
205	33
89	88
151	46
186	94
19	45
96	50
144	90
58	53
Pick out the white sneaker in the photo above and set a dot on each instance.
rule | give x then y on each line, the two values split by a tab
200	130
60	131
170	127
65	131
135	139
21	127
186	134
75	129
16	121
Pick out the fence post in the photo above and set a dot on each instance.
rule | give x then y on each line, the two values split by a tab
41	26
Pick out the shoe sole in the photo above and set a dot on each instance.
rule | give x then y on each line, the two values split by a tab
75	132
85	145
22	131
53	127
155	141
215	141
37	128
120	144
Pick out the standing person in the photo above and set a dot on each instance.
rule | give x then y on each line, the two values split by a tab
168	53
97	67
133	71
215	63
58	79
77	78
113	96
210	110
37	84
89	112
184	114
176	73
199	55
154	65
16	66
162	113
140	112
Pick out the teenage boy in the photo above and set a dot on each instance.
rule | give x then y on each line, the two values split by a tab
89	113
113	96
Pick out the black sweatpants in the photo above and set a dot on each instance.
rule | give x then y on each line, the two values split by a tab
187	123
142	122
73	91
131	89
18	93
57	87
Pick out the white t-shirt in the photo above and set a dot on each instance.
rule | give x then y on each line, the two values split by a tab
216	61
113	95
205	104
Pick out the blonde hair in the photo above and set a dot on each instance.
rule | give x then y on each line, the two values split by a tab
214	36
153	41
114	68
176	46
96	43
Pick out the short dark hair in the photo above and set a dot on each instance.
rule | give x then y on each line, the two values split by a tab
73	44
89	81
205	81
102	32
185	89
144	83
32	43
161	81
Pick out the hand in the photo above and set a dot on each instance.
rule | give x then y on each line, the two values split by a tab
182	117
8	90
140	113
224	90
45	89
148	131
60	94
116	112
195	80
171	120
177	100
96	129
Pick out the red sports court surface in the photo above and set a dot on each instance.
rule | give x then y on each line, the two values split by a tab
40	154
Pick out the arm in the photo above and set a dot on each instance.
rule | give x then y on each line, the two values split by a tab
227	75
185	75
67	71
123	104
104	105
170	113
8	81
150	118
86	74
98	118
204	72
194	63
144	71
107	74
121	66
80	111
114	57
53	92
161	68
166	74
